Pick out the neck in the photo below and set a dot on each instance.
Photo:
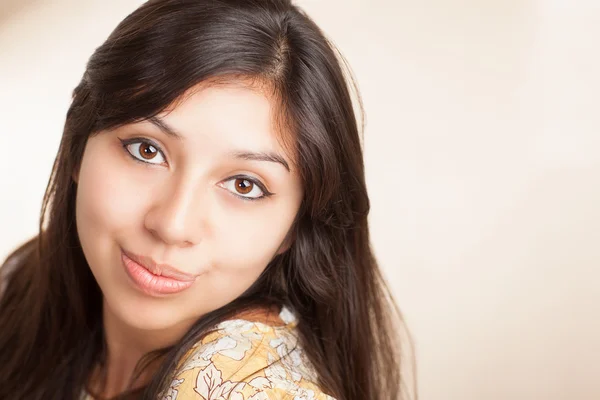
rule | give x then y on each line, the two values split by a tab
125	347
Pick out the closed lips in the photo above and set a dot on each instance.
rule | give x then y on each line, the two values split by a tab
152	284
160	269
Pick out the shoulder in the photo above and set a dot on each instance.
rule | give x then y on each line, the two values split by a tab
253	357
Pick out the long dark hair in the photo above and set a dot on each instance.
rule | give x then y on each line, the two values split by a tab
50	311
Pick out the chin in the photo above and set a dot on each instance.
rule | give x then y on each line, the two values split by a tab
143	313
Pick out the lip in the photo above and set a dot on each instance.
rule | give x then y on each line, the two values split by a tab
155	279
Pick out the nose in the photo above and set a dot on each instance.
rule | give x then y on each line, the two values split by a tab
177	217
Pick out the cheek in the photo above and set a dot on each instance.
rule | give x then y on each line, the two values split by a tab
247	236
108	200
233	273
245	239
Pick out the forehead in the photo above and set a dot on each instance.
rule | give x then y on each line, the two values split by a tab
233	114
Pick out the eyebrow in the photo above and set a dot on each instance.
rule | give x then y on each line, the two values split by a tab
261	156
243	155
165	128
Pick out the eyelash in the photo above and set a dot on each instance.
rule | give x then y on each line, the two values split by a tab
261	186
256	182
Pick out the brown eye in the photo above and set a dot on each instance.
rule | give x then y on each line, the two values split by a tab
144	151
148	151
243	186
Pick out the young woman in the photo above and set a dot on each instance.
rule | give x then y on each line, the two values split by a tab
204	231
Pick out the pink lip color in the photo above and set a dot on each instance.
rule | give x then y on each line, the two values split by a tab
151	284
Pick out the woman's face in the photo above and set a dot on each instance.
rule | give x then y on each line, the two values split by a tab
205	188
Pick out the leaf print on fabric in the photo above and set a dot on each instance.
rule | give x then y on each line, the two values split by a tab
202	357
237	326
238	340
248	360
210	385
238	352
260	383
259	396
277	375
172	392
304	394
293	358
290	359
308	370
242	332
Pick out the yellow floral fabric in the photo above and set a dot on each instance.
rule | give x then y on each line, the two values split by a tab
247	359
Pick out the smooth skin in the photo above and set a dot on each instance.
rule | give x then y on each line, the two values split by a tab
180	201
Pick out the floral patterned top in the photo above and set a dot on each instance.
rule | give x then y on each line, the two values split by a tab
248	358
255	356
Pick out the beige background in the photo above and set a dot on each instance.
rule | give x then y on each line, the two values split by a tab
482	149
